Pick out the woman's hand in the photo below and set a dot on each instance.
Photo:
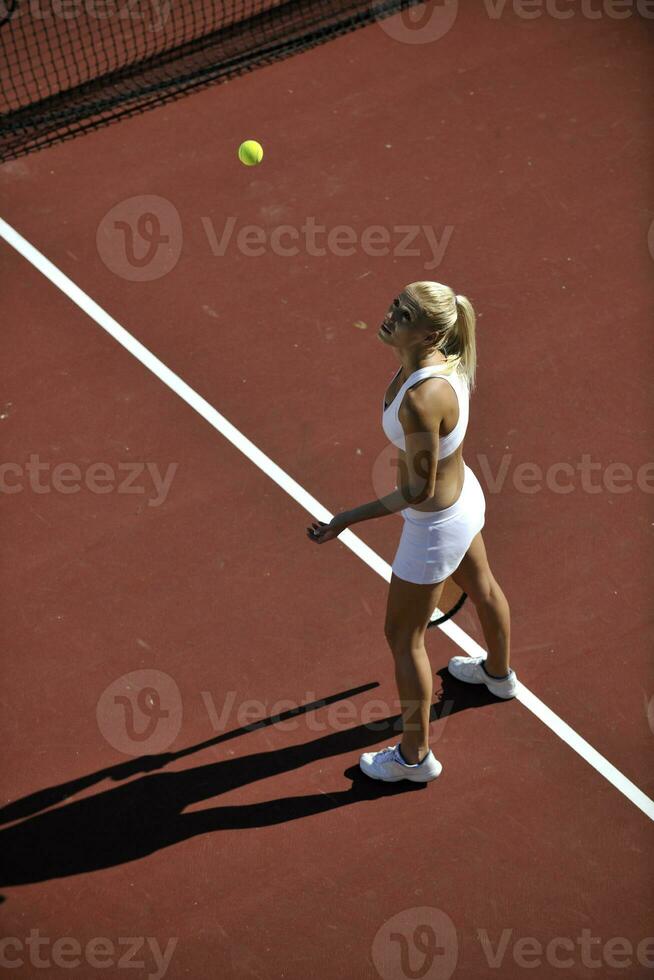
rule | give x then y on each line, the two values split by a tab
321	532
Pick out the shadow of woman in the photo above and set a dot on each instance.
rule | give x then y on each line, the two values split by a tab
147	814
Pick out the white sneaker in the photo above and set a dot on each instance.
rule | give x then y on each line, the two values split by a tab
470	670
389	765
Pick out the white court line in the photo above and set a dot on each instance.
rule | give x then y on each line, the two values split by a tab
310	504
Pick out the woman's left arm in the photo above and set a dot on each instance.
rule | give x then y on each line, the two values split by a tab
420	415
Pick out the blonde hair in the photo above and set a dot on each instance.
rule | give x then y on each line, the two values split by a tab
453	319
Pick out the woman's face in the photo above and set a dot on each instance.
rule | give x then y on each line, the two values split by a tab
404	326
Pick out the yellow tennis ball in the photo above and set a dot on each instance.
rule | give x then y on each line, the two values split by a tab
250	153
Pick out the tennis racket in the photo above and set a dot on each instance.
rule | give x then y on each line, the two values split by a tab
451	601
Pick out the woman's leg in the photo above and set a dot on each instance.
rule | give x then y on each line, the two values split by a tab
408	612
476	579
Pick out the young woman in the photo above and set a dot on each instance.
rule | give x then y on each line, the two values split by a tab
425	414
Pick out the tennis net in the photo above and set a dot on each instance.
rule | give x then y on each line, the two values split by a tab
73	65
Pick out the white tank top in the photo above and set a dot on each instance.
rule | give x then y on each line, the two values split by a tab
447	444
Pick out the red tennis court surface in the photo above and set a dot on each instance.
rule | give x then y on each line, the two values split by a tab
148	625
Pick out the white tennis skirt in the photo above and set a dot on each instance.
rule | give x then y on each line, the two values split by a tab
433	543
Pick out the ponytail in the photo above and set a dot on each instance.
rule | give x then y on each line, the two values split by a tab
453	319
465	335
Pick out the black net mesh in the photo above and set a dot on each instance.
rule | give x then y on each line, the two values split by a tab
73	65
